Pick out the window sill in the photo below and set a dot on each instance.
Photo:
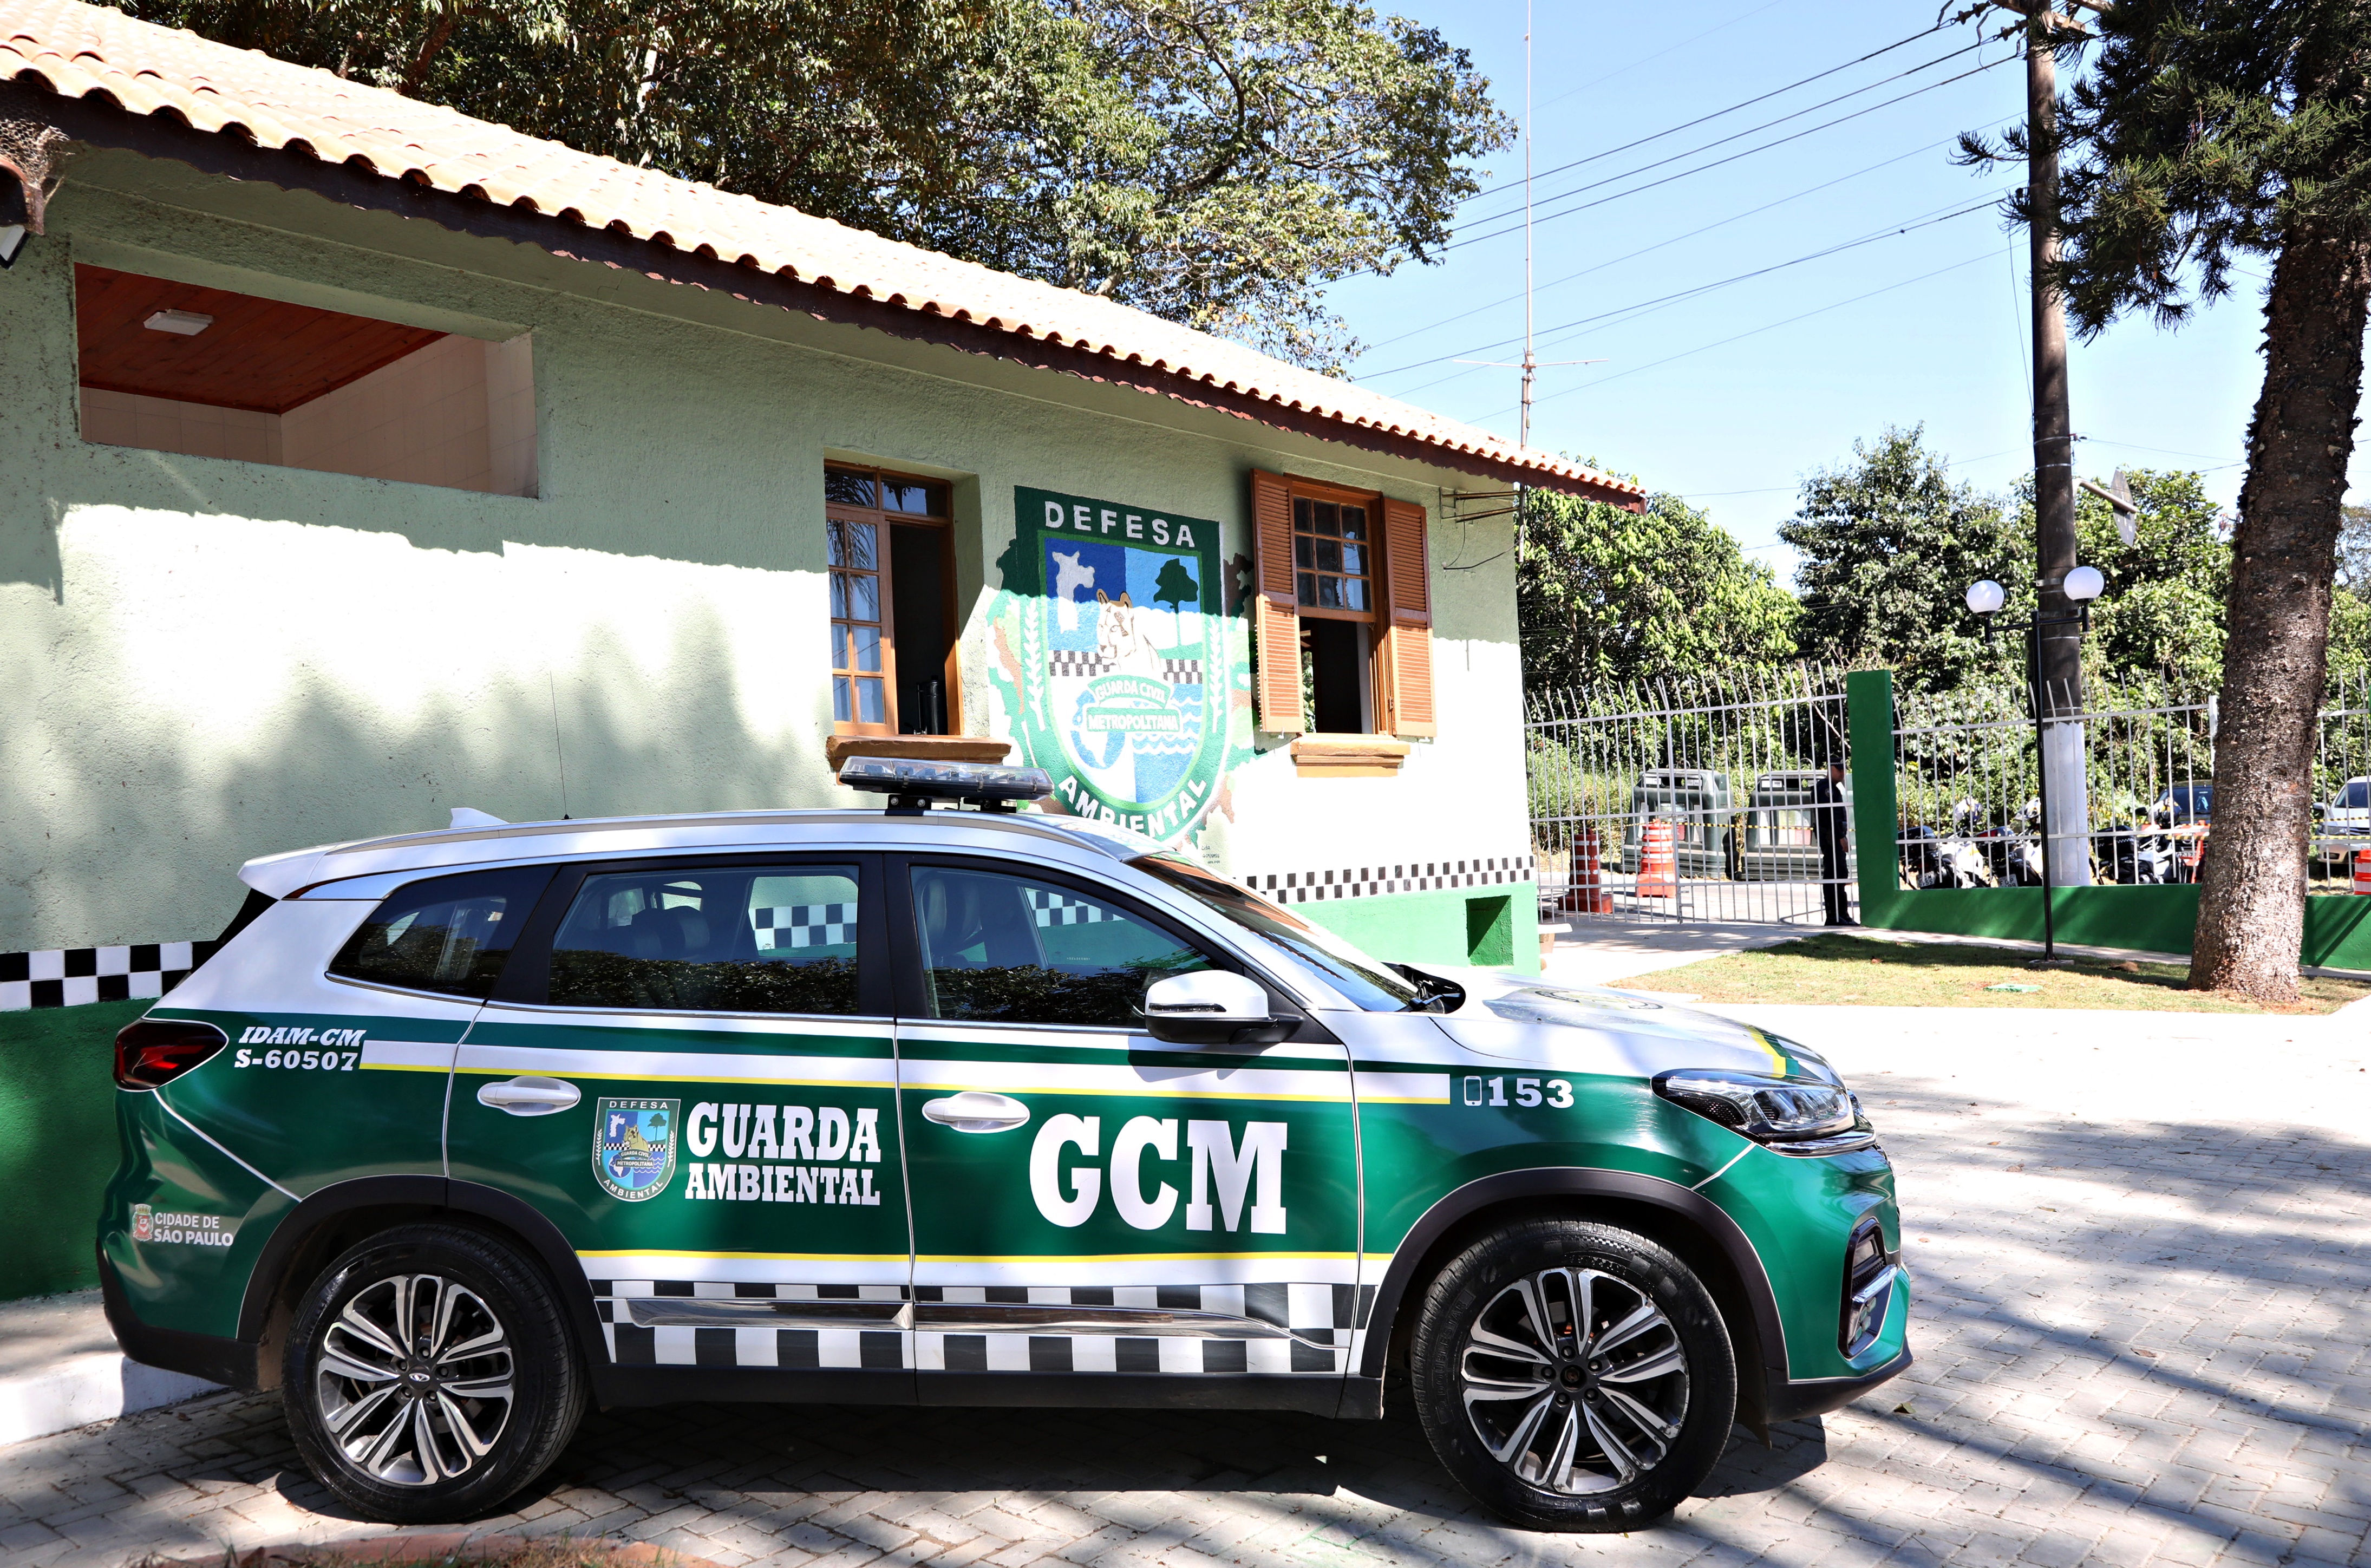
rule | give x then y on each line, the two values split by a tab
1347	756
914	748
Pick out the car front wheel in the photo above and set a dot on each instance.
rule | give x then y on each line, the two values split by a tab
1573	1376
429	1375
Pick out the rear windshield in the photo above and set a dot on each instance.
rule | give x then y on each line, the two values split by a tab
1368	982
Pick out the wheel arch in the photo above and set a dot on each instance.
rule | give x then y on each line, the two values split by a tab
1685	1221
328	1221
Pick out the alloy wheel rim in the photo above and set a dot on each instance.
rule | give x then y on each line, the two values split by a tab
1575	1380
413	1382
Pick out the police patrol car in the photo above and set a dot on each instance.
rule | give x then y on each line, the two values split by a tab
461	1131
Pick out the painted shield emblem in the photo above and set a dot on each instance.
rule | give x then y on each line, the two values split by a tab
1118	671
143	1225
633	1147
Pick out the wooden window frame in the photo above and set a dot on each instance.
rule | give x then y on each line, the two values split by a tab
882	519
1371	502
1400	701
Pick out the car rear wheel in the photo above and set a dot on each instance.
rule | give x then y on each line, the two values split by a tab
429	1375
1573	1376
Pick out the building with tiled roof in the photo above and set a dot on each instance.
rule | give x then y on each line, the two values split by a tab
370	460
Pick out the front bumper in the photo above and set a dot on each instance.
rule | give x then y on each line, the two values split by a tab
1783	1401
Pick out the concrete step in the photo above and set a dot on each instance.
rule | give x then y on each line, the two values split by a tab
60	1369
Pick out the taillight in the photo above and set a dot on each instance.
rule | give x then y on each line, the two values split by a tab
154	1051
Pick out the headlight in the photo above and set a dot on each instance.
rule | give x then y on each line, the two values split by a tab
1791	1115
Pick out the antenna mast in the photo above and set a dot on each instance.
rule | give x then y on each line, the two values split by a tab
1531	364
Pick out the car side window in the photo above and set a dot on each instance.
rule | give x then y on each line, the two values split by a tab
448	934
762	939
998	948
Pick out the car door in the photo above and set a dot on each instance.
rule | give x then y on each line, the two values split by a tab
1088	1201
689	1069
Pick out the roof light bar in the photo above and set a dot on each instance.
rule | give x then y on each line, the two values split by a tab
912	786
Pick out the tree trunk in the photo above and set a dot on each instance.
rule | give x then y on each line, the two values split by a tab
2252	898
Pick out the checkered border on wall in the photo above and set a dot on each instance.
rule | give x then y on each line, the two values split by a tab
65	977
1377	881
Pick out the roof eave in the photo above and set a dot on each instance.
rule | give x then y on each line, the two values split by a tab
97	120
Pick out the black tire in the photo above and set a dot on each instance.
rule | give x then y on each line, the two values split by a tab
489	1421
1563	1475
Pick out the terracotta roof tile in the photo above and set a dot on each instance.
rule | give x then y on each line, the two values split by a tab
83	50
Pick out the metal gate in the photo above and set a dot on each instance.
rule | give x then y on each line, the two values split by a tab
1685	799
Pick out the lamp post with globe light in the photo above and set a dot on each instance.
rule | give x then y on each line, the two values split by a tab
2081	585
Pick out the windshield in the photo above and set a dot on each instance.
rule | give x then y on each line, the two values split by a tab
2354	797
1370	983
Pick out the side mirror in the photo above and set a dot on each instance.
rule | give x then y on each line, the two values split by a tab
1212	1007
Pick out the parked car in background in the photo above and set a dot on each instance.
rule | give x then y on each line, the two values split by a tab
2185	812
1782	841
2343	825
1702	809
2183	805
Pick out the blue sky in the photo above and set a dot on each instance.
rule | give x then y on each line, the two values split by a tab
1732	395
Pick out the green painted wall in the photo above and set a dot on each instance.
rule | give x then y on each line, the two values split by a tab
1484	926
57	1100
2144	920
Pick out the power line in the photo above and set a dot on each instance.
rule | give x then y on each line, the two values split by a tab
1716	162
1747	103
1631	256
1650	59
1641	306
1806	315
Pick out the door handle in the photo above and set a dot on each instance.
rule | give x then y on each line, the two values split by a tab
529	1096
976	1111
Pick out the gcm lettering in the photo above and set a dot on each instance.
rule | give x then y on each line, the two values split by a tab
1224	1168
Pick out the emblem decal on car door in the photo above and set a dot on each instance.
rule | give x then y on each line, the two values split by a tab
633	1147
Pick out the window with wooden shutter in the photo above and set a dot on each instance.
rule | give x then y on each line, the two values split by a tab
1276	617
1407	638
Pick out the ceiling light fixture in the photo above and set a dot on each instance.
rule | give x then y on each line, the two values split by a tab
186	323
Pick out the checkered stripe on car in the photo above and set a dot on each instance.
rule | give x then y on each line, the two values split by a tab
805	925
1326	1322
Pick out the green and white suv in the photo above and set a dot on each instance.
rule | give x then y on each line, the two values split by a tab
461	1131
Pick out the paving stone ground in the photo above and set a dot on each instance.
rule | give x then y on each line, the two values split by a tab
2141	1246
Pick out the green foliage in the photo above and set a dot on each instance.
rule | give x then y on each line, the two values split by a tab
2162	610
1889	546
1214	161
2354	550
1604	595
2205	130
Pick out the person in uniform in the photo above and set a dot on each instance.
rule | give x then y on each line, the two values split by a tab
1828	823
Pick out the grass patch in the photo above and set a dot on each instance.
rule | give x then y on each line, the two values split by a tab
1875	973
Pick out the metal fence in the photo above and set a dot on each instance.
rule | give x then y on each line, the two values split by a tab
1686	799
1969	793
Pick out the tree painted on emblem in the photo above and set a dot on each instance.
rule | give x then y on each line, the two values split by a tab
1175	584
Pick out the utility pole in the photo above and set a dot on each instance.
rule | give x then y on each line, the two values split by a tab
2058	648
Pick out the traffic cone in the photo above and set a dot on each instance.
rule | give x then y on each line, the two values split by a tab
1658	860
2363	871
1586	894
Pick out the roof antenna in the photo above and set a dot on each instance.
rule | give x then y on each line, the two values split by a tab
554	692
